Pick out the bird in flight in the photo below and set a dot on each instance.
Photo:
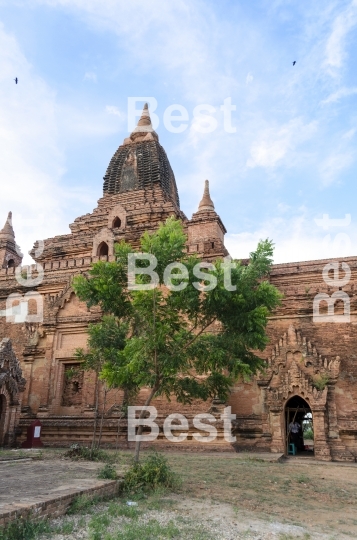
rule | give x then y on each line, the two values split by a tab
294	62
16	80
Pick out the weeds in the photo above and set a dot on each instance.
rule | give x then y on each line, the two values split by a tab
25	529
108	472
97	526
77	452
82	504
320	381
117	510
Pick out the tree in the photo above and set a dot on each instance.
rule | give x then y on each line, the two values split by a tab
106	338
187	337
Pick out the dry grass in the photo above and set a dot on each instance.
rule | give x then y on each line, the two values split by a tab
319	496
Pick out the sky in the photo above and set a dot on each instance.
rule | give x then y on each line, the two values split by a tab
287	160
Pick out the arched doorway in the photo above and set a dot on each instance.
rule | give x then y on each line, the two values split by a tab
299	428
117	223
2	417
103	249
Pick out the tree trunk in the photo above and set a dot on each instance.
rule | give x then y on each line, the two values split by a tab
140	428
95	415
102	417
119	422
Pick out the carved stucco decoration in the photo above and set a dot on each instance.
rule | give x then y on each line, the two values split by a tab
292	368
57	301
10	371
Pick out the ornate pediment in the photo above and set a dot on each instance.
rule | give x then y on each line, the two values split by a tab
10	370
296	367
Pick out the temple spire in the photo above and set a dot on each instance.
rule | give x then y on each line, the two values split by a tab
145	120
7	232
144	129
10	253
206	204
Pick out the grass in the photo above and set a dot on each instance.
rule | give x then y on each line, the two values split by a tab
25	529
101	525
28	529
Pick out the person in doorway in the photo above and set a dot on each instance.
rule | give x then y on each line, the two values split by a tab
294	430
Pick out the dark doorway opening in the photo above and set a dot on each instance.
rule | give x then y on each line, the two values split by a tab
299	428
103	249
116	223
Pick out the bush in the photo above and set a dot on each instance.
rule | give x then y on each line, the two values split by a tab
108	472
77	452
152	473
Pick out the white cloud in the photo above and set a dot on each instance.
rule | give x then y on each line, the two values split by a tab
276	144
332	166
335	46
296	238
31	163
111	109
199	56
35	130
179	36
90	76
341	93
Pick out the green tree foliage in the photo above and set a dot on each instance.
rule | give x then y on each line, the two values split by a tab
190	343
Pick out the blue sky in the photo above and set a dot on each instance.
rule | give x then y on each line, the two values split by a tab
291	159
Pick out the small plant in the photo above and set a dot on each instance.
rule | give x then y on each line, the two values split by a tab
150	474
320	381
108	472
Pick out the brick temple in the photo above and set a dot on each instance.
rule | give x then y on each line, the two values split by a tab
311	361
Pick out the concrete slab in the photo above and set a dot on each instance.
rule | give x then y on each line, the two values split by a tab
47	488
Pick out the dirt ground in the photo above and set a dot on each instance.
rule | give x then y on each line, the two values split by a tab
320	497
232	496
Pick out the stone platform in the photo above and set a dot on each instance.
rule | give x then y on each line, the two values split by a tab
47	487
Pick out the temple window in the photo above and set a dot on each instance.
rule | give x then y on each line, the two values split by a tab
103	249
11	263
117	223
72	385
